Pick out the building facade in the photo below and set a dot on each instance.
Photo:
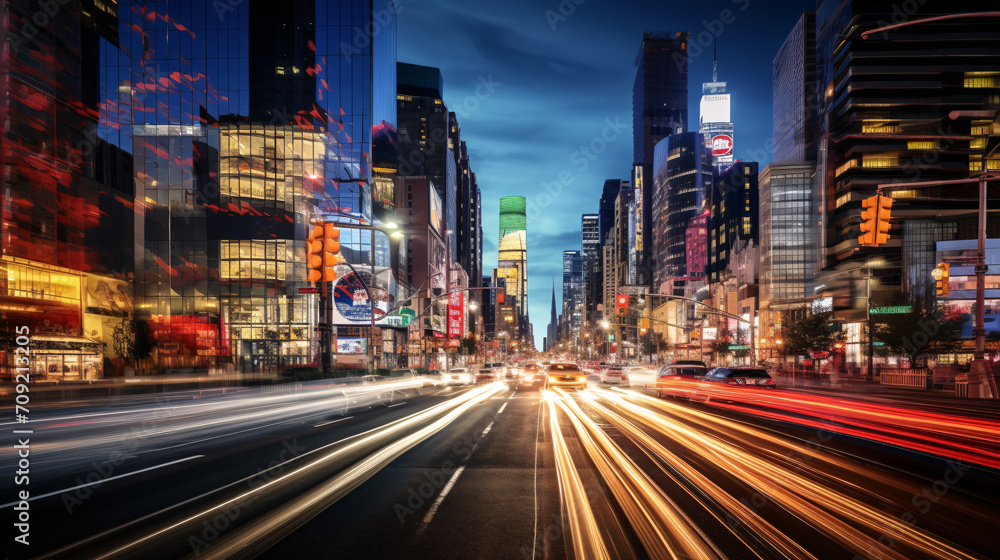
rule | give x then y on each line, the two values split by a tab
659	109
734	214
793	79
681	183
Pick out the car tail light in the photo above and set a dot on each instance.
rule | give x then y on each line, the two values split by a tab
768	382
624	376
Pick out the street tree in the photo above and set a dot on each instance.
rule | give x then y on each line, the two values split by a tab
810	335
133	340
927	328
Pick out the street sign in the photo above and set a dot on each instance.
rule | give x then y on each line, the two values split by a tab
740	347
892	310
633	290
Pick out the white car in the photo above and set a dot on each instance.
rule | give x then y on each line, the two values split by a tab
616	375
458	376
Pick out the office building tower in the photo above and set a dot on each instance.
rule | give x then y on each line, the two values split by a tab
734	215
659	109
512	258
885	105
793	85
681	182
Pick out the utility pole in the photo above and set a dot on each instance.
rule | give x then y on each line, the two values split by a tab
871	326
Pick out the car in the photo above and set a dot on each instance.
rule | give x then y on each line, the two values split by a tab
532	375
679	380
565	375
741	376
616	375
689	363
458	376
485	375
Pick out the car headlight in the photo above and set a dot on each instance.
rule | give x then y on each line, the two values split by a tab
581	378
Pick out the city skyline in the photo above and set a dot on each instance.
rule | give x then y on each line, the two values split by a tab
519	75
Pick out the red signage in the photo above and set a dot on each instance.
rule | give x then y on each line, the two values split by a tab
308	290
455	315
722	145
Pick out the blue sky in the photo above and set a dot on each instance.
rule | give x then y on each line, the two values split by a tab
535	82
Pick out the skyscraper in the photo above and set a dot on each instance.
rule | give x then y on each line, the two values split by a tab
659	109
681	183
734	215
714	123
512	258
606	208
885	110
220	146
553	320
573	291
793	79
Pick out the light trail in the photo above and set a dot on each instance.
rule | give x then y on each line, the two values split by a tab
662	527
584	533
802	491
270	514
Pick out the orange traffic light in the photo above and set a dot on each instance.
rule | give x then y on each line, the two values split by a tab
875	225
322	248
869	221
884	212
622	305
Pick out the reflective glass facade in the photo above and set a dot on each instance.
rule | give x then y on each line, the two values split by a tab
206	135
683	175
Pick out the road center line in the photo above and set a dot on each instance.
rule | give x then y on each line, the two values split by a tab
501	408
440	498
103	480
333	421
487	430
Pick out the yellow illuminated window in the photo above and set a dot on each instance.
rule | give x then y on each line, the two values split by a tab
881	129
880	160
847	165
921	145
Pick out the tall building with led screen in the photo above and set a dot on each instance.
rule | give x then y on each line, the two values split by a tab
512	256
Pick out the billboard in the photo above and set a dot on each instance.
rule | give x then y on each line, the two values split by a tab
437	211
637	183
350	299
455	315
352	346
715	108
722	144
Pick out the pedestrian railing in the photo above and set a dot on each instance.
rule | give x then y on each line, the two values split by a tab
962	389
918	378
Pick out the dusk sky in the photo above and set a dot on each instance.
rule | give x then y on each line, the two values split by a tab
552	76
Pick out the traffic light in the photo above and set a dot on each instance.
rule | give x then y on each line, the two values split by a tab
869	221
643	325
875	216
499	297
941	276
622	305
884	212
322	248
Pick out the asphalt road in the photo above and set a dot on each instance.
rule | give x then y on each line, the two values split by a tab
498	471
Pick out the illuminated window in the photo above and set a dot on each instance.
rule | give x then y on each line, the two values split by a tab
851	163
879	160
256	259
921	145
881	129
982	79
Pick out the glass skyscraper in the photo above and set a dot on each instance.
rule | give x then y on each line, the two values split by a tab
215	132
512	258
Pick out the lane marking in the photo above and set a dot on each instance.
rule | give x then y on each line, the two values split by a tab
103	480
487	430
501	408
440	498
397	404
333	421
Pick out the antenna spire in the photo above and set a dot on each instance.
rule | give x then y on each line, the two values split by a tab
715	61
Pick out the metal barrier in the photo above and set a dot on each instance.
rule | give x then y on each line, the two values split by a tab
918	378
962	389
